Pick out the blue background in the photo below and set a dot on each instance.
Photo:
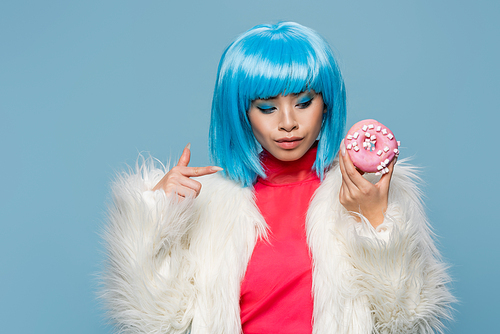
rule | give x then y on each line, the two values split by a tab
85	86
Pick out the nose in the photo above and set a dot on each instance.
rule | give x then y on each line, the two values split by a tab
288	122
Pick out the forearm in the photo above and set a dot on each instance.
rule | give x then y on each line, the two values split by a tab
142	288
398	267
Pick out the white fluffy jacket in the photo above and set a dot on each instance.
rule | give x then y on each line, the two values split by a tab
177	267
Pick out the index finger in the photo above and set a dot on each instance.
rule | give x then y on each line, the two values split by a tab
199	171
185	156
352	173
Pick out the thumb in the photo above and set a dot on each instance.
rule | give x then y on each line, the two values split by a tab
186	156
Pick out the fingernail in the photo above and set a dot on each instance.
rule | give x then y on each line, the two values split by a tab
217	169
342	147
188	146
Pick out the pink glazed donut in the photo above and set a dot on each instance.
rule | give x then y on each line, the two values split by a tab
371	146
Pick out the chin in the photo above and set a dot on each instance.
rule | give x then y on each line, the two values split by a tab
289	155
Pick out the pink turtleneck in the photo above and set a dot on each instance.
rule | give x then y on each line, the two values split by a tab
276	292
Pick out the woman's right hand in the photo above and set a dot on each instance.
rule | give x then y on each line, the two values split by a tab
177	181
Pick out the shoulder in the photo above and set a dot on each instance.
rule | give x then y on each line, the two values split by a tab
217	188
216	183
223	202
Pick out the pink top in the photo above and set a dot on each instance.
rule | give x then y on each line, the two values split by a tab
276	292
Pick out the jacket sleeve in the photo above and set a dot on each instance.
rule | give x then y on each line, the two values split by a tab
145	284
397	266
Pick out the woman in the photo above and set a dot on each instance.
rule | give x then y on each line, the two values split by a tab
277	237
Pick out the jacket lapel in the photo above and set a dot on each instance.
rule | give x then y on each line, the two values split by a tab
222	244
337	308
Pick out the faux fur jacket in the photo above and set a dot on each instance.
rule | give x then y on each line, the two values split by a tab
177	267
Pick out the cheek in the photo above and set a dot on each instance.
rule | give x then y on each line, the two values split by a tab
319	122
259	128
257	134
261	134
316	117
315	123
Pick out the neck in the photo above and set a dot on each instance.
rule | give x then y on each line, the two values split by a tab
286	172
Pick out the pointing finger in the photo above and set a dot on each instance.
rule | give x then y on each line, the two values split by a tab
347	183
200	171
353	177
186	156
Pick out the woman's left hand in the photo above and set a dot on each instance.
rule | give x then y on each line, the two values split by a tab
361	196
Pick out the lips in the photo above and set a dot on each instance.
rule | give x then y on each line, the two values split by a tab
290	139
289	143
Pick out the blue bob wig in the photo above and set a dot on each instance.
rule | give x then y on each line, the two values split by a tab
266	61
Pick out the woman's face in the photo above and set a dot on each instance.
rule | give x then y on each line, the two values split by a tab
287	126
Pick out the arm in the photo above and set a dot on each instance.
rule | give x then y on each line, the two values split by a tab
142	287
147	284
396	264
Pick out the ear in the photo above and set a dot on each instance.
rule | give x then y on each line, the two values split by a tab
325	108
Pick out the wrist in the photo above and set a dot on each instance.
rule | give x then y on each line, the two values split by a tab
375	219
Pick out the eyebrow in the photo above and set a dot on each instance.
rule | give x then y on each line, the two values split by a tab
293	94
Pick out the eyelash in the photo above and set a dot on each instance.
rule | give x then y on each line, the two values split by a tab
306	104
266	110
302	105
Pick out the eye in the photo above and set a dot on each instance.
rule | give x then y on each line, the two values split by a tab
266	110
304	104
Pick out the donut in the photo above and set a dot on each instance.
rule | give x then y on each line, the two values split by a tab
371	146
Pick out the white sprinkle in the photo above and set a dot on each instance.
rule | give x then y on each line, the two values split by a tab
378	128
370	126
349	146
386	149
383	164
356	148
379	167
396	151
373	138
386	170
377	173
364	127
365	144
379	152
354	143
355	135
390	136
349	137
384	131
367	134
399	143
386	162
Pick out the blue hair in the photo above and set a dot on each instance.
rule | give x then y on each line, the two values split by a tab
266	61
